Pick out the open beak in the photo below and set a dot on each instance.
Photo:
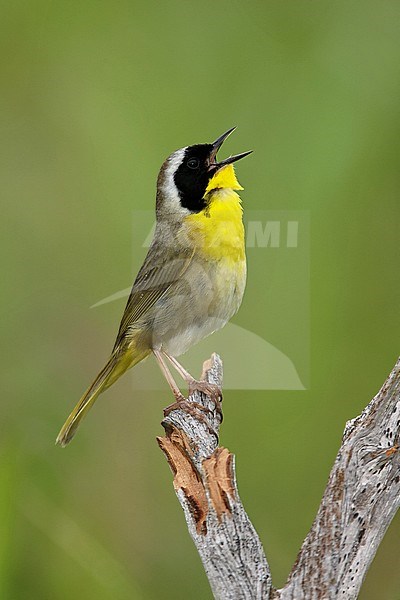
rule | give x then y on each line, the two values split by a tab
213	164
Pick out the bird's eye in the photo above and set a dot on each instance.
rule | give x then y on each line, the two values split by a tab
193	163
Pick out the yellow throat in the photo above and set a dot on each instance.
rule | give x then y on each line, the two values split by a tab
217	231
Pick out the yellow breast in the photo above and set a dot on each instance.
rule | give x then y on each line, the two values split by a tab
217	231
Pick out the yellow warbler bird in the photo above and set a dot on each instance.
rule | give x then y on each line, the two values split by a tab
193	278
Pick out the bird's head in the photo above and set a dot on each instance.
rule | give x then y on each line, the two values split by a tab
189	176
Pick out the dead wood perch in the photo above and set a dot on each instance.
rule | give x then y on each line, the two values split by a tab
359	502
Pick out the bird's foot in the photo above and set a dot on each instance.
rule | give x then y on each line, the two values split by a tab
209	389
195	410
192	408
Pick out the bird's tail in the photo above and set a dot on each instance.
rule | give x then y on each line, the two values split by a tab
115	367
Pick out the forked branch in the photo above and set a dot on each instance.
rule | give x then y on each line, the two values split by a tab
359	502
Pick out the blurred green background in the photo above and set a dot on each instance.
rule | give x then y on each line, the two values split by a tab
94	96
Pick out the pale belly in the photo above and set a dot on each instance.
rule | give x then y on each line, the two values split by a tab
209	294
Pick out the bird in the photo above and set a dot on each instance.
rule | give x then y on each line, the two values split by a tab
193	278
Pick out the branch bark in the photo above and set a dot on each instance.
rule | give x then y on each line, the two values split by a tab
359	502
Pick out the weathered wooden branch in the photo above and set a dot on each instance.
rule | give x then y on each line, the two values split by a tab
359	502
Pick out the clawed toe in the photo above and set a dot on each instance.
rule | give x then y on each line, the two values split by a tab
192	408
195	410
210	389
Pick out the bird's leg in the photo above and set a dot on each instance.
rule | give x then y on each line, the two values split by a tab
186	376
210	389
181	402
168	376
